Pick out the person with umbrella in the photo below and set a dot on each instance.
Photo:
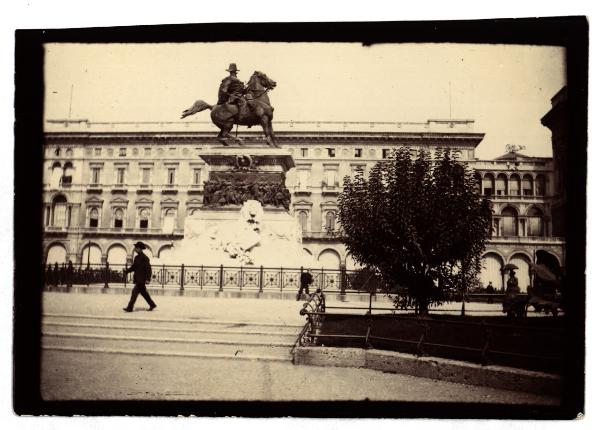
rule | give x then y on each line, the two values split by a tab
511	303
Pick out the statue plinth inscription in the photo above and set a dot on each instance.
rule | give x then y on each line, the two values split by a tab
241	174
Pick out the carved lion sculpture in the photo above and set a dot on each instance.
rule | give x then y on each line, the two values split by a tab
252	214
239	237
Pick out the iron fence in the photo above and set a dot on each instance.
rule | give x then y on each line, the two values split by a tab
209	277
509	344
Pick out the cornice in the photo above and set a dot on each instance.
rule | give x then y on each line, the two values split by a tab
282	137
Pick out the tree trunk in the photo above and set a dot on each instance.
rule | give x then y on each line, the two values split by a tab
422	307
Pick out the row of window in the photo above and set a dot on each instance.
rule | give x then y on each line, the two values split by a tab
328	224
143	221
513	185
147	152
507	224
358	152
510	224
63	175
145	176
59	215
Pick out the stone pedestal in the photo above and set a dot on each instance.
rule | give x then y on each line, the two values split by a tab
277	219
248	158
245	219
238	174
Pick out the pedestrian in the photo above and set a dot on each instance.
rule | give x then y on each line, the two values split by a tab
511	304
142	273
56	278
512	286
69	274
63	274
490	290
305	280
49	277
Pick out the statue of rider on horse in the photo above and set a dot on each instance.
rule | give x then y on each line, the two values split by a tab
240	105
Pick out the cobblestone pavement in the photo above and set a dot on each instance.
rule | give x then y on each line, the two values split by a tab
124	376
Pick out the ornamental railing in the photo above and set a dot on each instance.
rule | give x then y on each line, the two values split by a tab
221	277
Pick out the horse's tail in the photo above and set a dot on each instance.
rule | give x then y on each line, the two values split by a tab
198	106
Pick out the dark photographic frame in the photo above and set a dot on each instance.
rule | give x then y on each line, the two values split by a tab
569	32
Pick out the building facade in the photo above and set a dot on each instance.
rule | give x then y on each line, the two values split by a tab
556	121
108	185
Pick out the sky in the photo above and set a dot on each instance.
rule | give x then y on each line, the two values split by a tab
505	89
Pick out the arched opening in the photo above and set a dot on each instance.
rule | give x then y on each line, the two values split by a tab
488	184
501	184
527	185
535	222
303	219
144	221
59	211
117	255
351	263
119	215
165	252
491	266
56	254
91	254
56	175
522	273
509	222
67	177
307	251
169	221
514	185
540	185
330	221
329	259
94	216
548	260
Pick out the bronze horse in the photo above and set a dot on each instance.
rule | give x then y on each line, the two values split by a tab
257	110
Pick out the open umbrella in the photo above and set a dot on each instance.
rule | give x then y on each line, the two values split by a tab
510	266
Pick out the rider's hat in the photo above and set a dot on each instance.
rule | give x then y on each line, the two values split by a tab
232	68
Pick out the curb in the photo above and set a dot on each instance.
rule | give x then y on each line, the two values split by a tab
175	320
178	340
165	353
158	291
506	378
197	292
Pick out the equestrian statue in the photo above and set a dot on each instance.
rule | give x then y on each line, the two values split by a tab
241	105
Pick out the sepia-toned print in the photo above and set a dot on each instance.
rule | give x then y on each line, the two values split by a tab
305	222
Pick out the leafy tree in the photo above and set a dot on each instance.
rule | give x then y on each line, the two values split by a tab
419	224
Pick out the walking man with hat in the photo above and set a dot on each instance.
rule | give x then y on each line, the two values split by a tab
142	272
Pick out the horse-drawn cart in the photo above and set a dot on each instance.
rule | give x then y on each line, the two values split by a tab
544	296
515	306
